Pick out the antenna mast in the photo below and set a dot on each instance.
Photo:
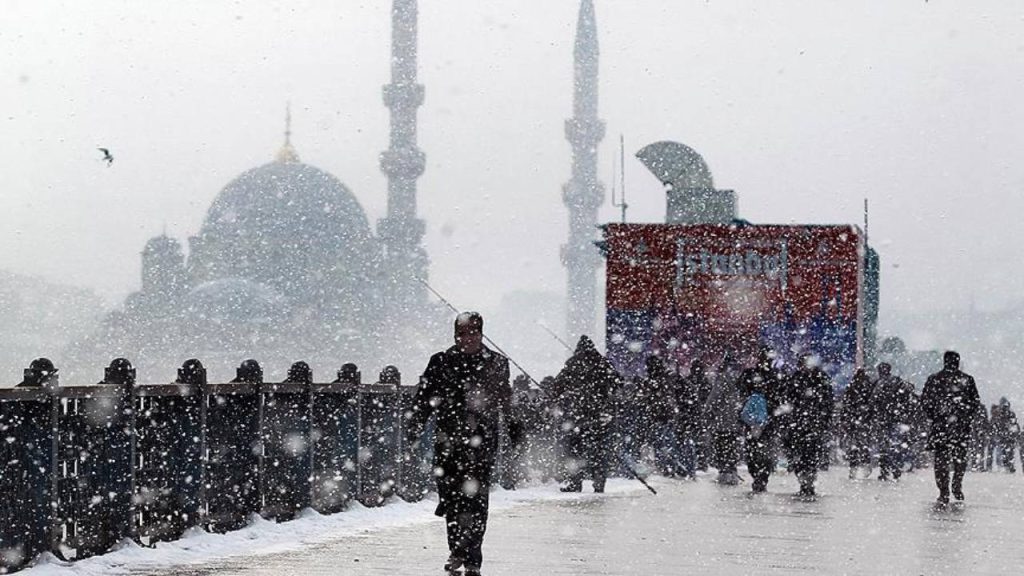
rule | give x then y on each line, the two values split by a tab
622	179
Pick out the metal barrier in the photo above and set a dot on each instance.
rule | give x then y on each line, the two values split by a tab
93	475
26	481
379	442
86	466
168	469
232	433
285	466
415	473
335	445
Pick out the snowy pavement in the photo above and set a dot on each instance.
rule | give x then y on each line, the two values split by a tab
854	527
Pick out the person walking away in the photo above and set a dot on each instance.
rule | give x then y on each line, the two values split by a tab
1006	432
692	428
856	422
981	434
759	389
721	412
657	401
585	387
466	388
809	402
950	400
890	405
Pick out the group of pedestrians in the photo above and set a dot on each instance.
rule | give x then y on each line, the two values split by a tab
589	422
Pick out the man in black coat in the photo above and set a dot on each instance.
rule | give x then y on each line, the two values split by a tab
467	389
760	441
1005	432
856	421
692	395
891	403
808	406
950	400
585	389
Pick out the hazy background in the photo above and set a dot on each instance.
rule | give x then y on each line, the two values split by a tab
804	108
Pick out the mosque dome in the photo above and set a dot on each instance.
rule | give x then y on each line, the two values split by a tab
285	224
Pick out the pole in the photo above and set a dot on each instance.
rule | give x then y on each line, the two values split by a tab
555	336
487	338
622	460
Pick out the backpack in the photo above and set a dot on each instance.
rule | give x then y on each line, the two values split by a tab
755	411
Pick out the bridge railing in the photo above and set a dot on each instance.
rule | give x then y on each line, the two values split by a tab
83	467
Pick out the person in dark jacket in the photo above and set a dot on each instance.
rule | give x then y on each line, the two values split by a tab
585	389
466	388
981	442
856	421
1005	433
808	406
722	414
950	400
761	379
692	429
890	407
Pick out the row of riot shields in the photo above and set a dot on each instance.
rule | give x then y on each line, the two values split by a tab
84	467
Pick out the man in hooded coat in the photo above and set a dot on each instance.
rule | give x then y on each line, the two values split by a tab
584	389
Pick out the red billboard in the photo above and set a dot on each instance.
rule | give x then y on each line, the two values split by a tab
690	292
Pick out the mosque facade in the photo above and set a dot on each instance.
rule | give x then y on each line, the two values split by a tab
286	265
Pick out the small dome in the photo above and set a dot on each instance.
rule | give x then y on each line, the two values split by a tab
677	165
162	244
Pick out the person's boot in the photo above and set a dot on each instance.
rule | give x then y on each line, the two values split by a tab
958	491
572	487
599	486
453	564
472	571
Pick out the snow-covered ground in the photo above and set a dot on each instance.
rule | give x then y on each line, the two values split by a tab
266	537
854	527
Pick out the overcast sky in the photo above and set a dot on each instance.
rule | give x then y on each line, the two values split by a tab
804	108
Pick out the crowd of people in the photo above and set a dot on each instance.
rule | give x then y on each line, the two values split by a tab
588	422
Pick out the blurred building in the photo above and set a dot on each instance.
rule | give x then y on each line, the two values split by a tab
286	265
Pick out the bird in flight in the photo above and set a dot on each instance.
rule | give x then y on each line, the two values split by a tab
107	156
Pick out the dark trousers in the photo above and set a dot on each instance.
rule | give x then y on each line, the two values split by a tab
892	452
760	460
950	454
858	452
805	458
727	451
588	452
463	503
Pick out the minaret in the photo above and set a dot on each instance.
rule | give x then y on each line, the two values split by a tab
287	153
401	232
583	194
